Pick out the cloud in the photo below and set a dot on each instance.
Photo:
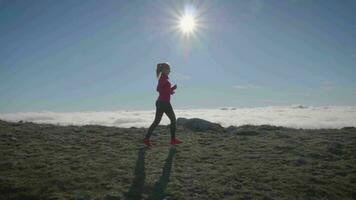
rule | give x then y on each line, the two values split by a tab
243	87
294	116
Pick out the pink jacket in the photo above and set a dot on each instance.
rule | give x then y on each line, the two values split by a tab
164	88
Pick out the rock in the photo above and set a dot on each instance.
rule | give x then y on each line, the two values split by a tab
231	129
182	121
266	127
335	148
242	130
300	107
349	128
15	124
300	161
246	132
197	124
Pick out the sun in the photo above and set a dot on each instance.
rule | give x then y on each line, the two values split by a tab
187	23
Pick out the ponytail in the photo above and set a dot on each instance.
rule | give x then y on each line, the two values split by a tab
159	69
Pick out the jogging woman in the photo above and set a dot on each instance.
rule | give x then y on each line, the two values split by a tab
163	104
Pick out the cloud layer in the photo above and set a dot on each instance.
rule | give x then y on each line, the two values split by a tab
296	116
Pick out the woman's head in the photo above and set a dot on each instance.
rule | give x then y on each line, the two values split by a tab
162	68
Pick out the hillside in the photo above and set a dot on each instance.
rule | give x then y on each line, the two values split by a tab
43	161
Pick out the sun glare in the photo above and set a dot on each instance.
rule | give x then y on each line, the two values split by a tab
187	24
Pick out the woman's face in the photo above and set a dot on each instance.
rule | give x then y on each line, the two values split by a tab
166	70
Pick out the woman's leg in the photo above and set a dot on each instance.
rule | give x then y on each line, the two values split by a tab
158	117
170	113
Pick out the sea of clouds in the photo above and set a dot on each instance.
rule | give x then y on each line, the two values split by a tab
295	116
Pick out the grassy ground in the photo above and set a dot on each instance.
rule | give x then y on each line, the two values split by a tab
42	161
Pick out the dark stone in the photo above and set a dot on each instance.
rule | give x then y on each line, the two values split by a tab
266	127
197	124
335	148
300	162
231	129
349	128
242	130
246	132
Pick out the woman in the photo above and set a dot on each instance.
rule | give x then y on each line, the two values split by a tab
163	104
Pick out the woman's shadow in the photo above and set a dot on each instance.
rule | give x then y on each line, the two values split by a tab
137	186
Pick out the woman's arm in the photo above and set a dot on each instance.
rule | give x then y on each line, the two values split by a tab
173	88
163	86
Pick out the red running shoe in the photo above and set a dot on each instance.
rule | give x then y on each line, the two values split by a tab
175	141
147	142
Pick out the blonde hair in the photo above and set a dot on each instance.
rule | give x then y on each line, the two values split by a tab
160	68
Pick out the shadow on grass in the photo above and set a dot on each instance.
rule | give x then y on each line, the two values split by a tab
161	185
137	187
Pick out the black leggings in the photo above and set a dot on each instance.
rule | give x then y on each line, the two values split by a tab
163	107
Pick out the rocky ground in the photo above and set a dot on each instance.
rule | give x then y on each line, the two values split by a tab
43	161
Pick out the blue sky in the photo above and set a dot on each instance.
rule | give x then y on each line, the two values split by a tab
101	55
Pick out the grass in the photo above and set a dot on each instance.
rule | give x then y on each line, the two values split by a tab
43	161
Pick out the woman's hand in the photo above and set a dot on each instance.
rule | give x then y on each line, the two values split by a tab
173	88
